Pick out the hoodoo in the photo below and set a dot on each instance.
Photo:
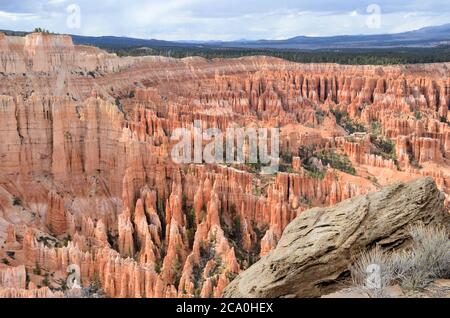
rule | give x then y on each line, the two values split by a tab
88	181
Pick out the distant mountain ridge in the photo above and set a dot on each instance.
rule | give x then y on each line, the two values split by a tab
425	37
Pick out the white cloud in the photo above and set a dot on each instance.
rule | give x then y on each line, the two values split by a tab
17	16
221	19
53	2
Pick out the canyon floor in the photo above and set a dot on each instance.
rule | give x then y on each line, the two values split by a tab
87	178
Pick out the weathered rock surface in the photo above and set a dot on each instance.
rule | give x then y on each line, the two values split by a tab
316	248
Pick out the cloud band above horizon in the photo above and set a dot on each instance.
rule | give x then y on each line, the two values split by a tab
222	19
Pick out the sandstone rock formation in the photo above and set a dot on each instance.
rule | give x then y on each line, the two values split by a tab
87	178
316	248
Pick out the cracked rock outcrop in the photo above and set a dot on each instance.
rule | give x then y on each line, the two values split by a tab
316	248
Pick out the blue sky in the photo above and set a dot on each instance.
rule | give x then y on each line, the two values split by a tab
222	19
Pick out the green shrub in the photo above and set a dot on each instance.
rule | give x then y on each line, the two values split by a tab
375	128
177	268
254	167
46	281
37	269
385	148
286	157
231	276
418	115
315	174
344	120
336	161
257	191
207	253
320	116
95	289
11	254
16	201
306	153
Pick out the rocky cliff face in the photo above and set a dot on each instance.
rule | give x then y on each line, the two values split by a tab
86	176
40	52
316	248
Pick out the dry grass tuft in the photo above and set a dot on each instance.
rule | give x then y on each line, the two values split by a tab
428	259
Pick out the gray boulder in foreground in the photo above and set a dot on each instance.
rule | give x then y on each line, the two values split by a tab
316	249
